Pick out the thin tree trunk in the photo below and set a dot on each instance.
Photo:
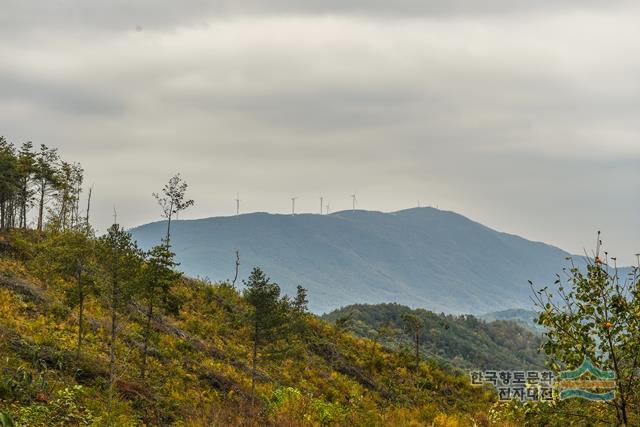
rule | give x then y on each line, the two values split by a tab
114	324
23	210
417	351
12	215
76	207
63	211
43	190
253	366
2	211
169	222
88	205
621	392
237	266
80	316
112	350
145	348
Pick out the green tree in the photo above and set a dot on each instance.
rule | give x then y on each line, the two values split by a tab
9	183
268	316
596	314
172	200
25	169
158	276
120	261
300	303
71	255
414	326
68	185
46	176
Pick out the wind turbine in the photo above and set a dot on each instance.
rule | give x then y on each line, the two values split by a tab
353	202
328	211
321	200
293	205
237	199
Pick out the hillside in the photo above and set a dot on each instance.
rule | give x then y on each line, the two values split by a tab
464	341
525	318
423	257
199	370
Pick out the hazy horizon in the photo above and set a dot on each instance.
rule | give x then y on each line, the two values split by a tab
519	115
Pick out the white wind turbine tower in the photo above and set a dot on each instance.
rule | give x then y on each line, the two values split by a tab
353	202
237	199
293	205
321	205
328	211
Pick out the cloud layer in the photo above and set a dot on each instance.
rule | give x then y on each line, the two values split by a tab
522	115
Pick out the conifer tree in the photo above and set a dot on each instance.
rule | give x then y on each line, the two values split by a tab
25	169
46	176
268	318
120	260
300	302
70	254
414	326
155	290
8	183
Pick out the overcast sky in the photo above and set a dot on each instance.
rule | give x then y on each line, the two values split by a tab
523	115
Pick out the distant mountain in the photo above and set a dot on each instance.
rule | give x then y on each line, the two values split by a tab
422	257
526	318
465	342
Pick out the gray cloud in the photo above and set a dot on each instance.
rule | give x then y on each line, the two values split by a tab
522	115
167	14
67	97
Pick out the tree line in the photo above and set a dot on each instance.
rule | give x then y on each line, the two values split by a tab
111	268
38	180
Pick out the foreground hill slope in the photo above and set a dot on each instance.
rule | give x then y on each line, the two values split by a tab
465	341
199	365
421	257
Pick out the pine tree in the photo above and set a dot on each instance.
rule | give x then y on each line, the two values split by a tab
268	318
9	183
71	255
414	325
300	302
25	169
46	176
120	260
155	290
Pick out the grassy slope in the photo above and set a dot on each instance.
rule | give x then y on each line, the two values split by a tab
199	372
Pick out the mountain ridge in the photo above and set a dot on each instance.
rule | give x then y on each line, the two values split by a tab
421	257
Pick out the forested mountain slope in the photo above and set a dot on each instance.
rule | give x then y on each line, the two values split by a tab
463	341
421	257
